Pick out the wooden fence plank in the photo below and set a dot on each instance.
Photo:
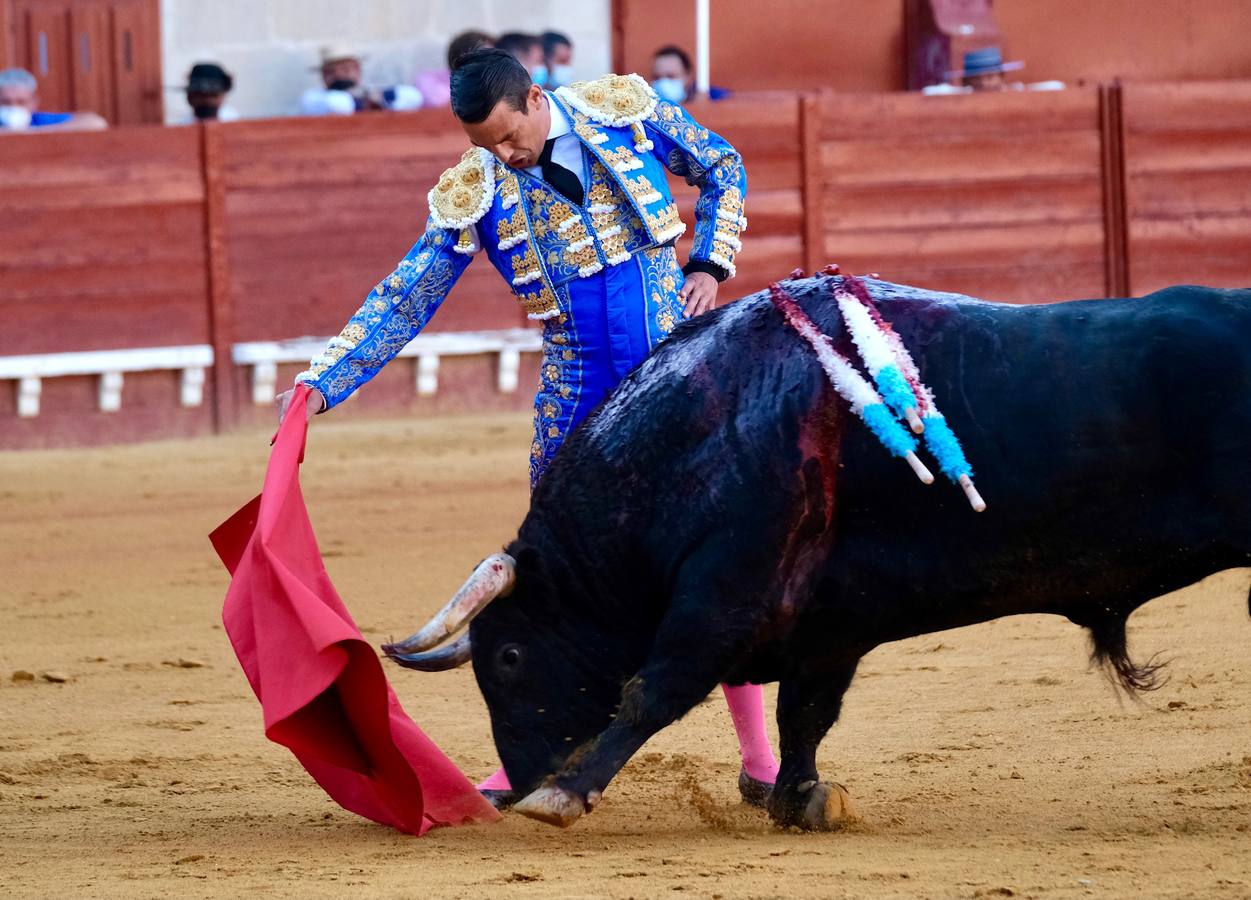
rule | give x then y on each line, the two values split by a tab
983	194
217	266
101	241
1115	224
810	166
1188	183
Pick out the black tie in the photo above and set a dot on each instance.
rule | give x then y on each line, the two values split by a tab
558	176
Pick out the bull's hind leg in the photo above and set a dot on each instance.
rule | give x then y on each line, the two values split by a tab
808	706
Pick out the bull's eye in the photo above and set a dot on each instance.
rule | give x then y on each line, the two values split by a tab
510	656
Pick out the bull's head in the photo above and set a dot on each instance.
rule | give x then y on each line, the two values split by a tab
551	678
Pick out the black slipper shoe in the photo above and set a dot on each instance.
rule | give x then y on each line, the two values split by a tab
755	792
500	799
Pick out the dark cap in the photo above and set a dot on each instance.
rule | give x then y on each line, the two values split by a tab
985	61
209	78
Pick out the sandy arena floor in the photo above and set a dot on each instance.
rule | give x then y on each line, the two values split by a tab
988	762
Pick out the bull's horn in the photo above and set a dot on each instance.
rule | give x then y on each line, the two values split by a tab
493	578
450	656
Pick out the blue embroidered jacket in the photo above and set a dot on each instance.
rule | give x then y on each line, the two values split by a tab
538	239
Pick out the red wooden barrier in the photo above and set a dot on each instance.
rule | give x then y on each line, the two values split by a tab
1188	184
765	129
995	195
265	230
102	241
319	210
102	246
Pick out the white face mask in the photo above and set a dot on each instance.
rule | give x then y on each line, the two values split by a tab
670	89
15	118
561	75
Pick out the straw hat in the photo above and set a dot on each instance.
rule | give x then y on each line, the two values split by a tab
333	53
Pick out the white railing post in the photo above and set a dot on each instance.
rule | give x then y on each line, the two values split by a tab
191	387
510	366
264	382
427	374
110	391
28	390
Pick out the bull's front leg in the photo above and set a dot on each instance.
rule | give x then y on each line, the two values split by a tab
671	682
808	706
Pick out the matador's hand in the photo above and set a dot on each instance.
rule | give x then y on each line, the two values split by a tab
699	294
316	403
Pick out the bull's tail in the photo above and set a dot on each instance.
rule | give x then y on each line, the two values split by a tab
1109	652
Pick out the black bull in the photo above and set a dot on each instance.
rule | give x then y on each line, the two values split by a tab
723	517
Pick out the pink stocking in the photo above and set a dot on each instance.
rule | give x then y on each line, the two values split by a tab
497	782
746	704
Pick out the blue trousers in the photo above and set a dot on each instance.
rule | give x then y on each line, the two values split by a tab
612	320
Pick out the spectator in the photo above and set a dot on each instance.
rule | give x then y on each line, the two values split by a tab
343	92
983	70
19	108
464	42
528	48
435	84
558	59
673	77
207	87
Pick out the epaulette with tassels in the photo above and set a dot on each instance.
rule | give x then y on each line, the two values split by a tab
616	101
463	195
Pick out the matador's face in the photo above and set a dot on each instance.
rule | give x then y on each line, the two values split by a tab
515	136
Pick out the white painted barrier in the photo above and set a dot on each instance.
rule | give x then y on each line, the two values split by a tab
508	344
110	366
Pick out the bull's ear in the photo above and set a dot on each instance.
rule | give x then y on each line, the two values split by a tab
530	565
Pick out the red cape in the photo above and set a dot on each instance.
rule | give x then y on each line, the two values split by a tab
320	684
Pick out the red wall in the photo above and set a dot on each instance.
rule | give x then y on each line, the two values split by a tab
778	45
1188	184
857	45
999	196
1135	40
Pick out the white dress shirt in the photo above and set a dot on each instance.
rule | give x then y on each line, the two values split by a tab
566	152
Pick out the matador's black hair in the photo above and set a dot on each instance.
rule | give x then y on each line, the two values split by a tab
483	78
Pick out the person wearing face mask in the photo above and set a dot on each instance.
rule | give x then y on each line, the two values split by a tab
19	108
344	93
673	77
528	48
436	84
207	87
558	59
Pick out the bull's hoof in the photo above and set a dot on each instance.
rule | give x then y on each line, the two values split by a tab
753	791
812	806
553	805
829	807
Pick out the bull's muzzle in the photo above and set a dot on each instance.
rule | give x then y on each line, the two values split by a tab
494	577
